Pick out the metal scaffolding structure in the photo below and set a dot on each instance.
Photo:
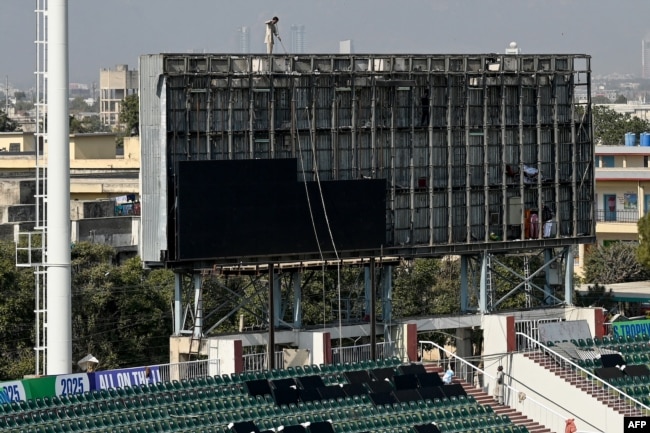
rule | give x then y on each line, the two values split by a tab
483	154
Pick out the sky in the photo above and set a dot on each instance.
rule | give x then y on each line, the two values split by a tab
105	33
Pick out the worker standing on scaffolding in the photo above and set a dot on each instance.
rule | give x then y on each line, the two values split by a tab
271	30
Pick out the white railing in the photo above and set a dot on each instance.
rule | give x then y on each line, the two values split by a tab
189	370
258	361
588	382
361	352
477	377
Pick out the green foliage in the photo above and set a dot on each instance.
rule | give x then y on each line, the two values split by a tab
643	250
6	124
615	263
87	125
600	99
610	127
596	296
121	314
79	105
426	286
130	112
16	316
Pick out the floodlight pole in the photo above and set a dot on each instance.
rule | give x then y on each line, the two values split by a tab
59	303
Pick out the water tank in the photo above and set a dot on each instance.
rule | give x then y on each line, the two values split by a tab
645	139
630	139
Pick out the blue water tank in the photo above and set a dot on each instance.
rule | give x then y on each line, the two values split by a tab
630	139
645	139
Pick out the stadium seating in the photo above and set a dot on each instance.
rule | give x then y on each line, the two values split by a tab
347	400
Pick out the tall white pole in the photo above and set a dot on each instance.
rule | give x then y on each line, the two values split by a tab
59	305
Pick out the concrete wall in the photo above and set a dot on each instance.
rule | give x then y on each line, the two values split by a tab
116	231
92	146
24	139
526	376
21	213
92	209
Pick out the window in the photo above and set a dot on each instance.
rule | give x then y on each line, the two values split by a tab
14	147
606	161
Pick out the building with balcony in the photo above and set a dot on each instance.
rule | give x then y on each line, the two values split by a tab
622	191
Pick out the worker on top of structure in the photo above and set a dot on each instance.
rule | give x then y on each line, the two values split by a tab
271	30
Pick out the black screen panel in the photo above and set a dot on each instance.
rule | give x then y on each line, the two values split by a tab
312	382
321	427
455	389
283	383
429	379
360	376
426	428
380	386
284	396
637	370
309	394
244	427
331	392
382	398
257	207
612	360
382	373
411	369
352	389
407	395
405	381
431	392
257	387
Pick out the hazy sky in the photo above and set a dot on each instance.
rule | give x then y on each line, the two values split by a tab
104	33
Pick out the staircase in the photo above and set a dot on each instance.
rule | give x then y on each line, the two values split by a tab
599	393
483	398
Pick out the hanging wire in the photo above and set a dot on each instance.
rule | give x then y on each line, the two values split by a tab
311	214
329	228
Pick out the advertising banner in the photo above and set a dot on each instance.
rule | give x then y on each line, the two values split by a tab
15	390
125	377
71	384
631	328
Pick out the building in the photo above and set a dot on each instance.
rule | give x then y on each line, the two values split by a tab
622	191
244	39
104	188
645	58
115	85
346	47
297	39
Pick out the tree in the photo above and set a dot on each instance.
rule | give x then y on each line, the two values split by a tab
16	316
610	127
614	263
130	113
79	105
600	99
643	250
596	296
6	124
121	313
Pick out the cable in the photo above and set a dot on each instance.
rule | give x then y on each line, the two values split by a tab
311	214
329	228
